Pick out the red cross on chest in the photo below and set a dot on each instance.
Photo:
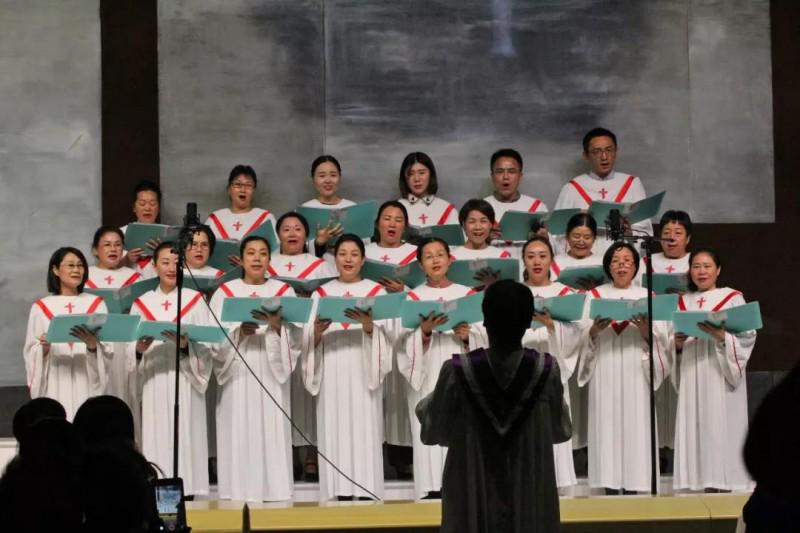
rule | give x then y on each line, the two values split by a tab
237	225
166	305
423	217
348	295
441	299
603	193
670	269
701	301
69	307
385	258
254	295
109	279
289	266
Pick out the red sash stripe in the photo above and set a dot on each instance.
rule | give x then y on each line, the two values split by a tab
220	228
282	289
313	266
258	222
413	296
374	290
271	271
581	191
471	292
681	303
534	206
321	291
410	257
228	292
143	308
95	304
565	290
446	214
725	300
219	274
131	279
624	190
90	284
555	268
595	293
143	262
45	310
189	306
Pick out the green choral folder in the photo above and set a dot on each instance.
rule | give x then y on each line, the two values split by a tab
209	283
153	328
633	212
304	285
384	306
293	309
463	271
266	230
411	274
358	219
137	235
465	309
664	306
222	250
452	234
120	300
517	225
737	319
570	276
113	327
669	283
567	308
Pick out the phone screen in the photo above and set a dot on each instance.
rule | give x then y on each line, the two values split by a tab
168	499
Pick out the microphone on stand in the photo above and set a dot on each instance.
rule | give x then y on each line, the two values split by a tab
615	225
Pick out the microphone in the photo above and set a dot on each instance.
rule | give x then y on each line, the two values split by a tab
191	219
190	224
615	226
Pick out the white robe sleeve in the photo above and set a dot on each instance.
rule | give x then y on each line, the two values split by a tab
733	355
637	191
377	352
197	365
311	362
563	343
411	355
223	354
36	363
283	350
96	363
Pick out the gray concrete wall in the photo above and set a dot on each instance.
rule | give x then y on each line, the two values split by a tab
49	151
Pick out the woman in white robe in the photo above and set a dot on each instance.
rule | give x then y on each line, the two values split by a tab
562	340
614	363
254	438
326	175
146	208
423	351
66	372
477	219
155	362
198	252
711	424
344	368
418	188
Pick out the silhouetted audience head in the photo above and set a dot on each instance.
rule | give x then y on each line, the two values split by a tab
507	313
33	411
104	419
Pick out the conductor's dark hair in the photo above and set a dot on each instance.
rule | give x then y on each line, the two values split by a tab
580	220
33	411
505	152
167	245
147	185
298	216
476	204
242	170
610	254
597	132
247	240
212	239
408	162
325	159
678	217
543	240
349	237
376	235
702	250
53	283
507	311
430	240
102	230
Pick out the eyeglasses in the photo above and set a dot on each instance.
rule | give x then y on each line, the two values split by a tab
242	185
73	266
200	245
598	151
626	263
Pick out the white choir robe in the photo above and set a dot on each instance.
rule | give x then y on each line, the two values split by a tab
144	266
564	344
397	428
490	252
523	203
254	439
302	266
343	202
69	373
666	396
205	272
345	372
615	366
236	226
429	211
711	424
420	366
578	395
157	389
121	381
582	190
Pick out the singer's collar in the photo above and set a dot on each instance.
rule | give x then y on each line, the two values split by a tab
427	199
443	284
598	178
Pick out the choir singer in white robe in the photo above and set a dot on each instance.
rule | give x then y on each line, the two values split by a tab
155	362
344	368
614	362
711	421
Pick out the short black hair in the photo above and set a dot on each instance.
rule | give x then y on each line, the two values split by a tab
287	215
702	250
429	240
242	170
507	310
325	159
678	217
505	152
147	185
610	254
476	204
597	132
408	162
349	237
250	238
376	235
102	230
212	239
580	220
163	246
53	283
